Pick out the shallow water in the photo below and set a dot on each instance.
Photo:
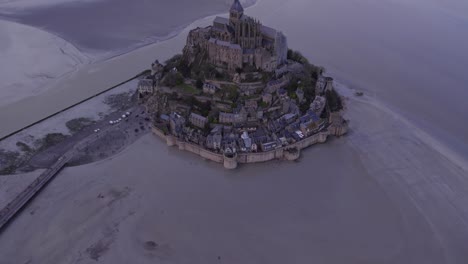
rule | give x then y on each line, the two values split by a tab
117	25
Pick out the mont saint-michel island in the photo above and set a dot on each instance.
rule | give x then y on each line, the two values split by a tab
233	131
237	94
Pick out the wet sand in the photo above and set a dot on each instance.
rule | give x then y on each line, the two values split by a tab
89	80
115	26
12	186
121	28
361	198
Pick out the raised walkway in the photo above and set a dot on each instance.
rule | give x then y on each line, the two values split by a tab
13	207
12	131
9	211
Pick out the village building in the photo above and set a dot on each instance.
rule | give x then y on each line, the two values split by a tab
247	141
198	120
289	118
251	105
318	105
176	123
239	116
268	146
229	142
231	118
274	85
236	78
286	105
210	88
310	123
213	141
145	87
282	93
267	98
217	129
259	114
164	118
251	88
291	67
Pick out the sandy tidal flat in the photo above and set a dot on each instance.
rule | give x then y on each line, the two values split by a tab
31	60
94	77
10	187
385	202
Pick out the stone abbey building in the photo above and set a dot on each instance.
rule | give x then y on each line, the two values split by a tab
238	42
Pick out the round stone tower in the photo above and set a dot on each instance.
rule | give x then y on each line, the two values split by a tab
170	140
329	84
230	160
292	154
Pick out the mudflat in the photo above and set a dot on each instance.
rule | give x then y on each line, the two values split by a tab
342	202
116	25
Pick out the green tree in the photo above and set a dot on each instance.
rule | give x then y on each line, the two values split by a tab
172	62
172	79
199	83
304	106
334	100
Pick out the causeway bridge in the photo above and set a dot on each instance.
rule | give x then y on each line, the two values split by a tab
22	198
13	207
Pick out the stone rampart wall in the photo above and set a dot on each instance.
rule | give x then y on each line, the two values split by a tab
260	156
243	157
314	139
159	133
204	153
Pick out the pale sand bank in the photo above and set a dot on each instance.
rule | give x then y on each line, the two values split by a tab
31	60
89	80
113	26
415	170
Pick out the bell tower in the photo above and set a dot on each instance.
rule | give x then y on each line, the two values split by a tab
236	12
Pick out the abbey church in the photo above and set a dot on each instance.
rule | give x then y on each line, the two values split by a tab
238	42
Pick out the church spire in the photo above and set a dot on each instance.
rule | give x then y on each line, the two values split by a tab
237	7
235	13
